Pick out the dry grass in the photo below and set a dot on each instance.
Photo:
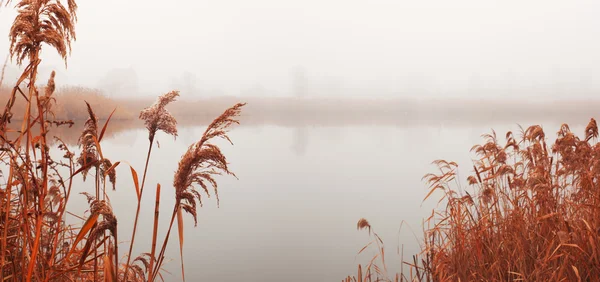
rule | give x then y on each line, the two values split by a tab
35	242
532	213
321	111
68	104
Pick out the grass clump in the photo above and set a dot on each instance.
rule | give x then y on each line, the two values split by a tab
36	244
531	212
66	104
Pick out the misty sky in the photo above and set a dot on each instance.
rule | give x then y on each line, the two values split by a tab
346	47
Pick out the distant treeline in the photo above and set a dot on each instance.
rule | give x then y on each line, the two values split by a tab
295	111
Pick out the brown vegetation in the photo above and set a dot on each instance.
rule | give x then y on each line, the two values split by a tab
68	104
321	111
532	214
36	244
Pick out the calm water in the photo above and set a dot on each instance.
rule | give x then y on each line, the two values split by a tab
292	214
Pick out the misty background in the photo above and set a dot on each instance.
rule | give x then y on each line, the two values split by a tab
310	168
462	48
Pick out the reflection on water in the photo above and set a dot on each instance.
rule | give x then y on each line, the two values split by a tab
302	187
292	214
300	140
301	120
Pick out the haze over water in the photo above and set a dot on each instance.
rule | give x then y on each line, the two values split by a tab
464	48
305	178
292	213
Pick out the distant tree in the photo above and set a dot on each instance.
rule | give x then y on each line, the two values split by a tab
11	74
119	82
187	84
300	141
475	85
557	78
299	81
256	90
189	81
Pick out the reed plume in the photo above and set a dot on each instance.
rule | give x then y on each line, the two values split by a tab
141	260
37	22
105	169
202	161
35	241
42	21
47	98
531	214
198	165
376	263
591	130
99	228
363	224
156	117
87	142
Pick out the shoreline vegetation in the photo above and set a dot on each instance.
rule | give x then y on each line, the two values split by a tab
528	212
327	111
309	112
36	243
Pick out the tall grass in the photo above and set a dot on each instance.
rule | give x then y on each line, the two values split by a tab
67	104
36	244
532	213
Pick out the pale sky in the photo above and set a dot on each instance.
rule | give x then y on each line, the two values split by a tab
440	48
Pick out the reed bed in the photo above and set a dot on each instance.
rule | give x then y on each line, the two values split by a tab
67	104
36	243
531	212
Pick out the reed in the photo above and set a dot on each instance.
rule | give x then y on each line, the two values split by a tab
36	243
66	104
529	213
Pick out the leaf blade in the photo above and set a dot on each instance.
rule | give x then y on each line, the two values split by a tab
136	182
105	125
87	226
180	229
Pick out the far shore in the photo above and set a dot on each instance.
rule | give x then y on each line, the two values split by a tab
327	111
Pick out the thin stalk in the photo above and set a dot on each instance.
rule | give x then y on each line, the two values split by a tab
104	198
137	211
62	216
96	245
116	254
43	151
155	230
164	246
6	225
40	213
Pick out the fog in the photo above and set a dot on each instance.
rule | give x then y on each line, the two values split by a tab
491	49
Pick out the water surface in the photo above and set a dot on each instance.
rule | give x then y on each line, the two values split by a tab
291	215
